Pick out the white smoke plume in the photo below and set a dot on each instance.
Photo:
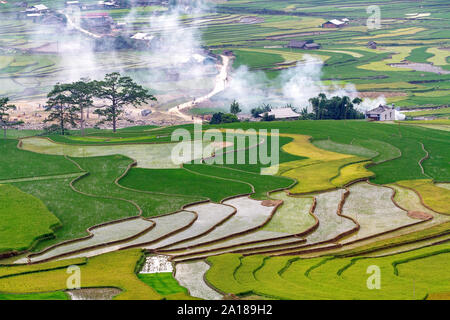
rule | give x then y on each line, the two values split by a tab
294	86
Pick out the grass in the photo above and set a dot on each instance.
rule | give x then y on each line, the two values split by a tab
261	183
164	283
401	144
255	60
419	55
436	112
146	155
332	278
351	173
15	163
434	197
115	269
356	150
76	212
317	177
301	146
105	200
399	54
440	56
101	183
25	220
58	295
175	181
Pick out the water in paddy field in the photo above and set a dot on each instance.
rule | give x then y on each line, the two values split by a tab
156	264
93	293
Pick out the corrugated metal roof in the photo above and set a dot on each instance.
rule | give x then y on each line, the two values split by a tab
380	109
40	7
337	22
282	113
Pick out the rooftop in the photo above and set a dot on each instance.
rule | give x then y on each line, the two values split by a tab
337	22
142	36
40	7
380	109
283	113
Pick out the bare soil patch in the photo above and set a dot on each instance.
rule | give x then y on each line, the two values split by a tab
419	215
271	203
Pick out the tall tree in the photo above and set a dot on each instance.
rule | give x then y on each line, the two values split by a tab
61	109
336	108
4	114
119	91
80	96
235	107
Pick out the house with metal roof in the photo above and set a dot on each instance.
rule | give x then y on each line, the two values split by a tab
283	114
307	45
335	23
381	113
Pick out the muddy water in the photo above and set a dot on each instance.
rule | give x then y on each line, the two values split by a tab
94	293
424	67
157	264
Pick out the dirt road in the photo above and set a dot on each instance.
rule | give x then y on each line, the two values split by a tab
220	85
72	24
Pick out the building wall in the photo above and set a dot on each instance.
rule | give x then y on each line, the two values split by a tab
329	25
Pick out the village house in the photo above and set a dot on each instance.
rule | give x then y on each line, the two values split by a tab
306	45
312	46
143	36
35	12
372	45
335	23
38	8
107	4
142	40
296	44
282	114
381	113
100	22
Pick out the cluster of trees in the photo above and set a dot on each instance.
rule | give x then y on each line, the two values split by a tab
69	102
221	117
5	122
335	108
262	109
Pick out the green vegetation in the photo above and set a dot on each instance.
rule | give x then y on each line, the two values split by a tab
260	183
328	277
110	270
220	117
175	181
58	295
16	163
81	179
433	196
419	55
163	282
25	220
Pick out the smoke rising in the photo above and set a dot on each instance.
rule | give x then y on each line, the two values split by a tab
294	86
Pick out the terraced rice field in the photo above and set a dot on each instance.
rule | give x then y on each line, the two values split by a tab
360	219
146	156
347	196
294	278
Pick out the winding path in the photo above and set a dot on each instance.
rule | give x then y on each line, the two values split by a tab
220	85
